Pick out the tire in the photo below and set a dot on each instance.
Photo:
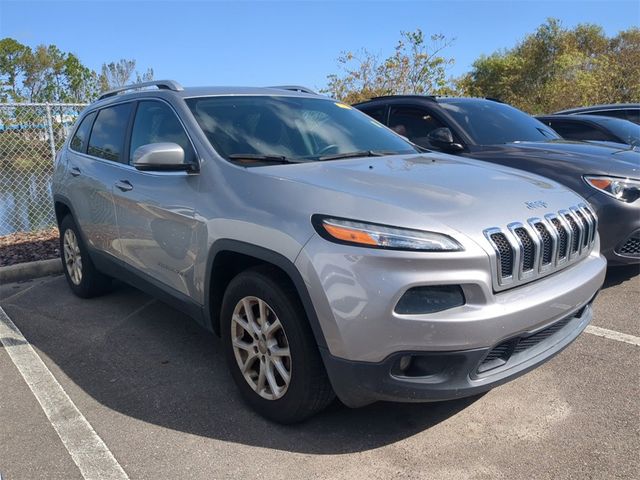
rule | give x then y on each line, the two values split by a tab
266	293
83	277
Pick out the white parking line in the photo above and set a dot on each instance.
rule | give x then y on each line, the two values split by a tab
88	451
613	335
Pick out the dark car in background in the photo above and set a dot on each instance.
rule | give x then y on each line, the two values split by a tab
624	111
593	128
484	129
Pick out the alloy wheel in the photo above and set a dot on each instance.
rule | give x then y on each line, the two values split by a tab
261	348
72	256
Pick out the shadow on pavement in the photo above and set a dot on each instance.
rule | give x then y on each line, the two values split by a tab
617	275
143	359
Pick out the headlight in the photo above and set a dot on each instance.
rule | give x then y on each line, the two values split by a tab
624	189
372	235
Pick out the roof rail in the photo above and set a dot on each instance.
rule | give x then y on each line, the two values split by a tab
161	84
426	97
294	88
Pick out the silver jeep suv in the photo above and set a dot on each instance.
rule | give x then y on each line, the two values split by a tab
332	256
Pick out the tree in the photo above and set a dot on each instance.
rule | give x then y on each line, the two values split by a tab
47	74
118	74
416	66
12	68
44	76
145	76
556	68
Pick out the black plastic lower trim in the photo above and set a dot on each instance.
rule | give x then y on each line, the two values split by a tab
453	374
117	269
268	256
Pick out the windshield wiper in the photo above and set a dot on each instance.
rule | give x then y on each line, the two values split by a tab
261	158
361	153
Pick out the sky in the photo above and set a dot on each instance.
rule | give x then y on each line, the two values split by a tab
275	43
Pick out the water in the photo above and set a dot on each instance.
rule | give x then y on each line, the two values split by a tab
25	201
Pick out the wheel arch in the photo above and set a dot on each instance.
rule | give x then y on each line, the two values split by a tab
228	257
62	207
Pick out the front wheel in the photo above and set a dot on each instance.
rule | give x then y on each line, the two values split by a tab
82	276
270	348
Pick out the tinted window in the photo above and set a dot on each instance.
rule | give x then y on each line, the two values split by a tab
633	116
628	132
623	114
413	123
294	127
156	122
579	131
107	135
376	112
79	140
491	123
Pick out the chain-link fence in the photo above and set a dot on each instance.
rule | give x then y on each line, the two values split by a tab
30	134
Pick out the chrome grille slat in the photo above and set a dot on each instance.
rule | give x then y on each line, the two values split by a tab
591	220
506	254
558	228
541	246
527	249
583	225
576	233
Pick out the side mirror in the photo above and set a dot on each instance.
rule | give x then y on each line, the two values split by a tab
161	157
443	138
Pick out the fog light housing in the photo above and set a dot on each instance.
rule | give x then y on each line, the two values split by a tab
430	299
405	361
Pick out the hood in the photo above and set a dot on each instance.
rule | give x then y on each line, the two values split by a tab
594	158
421	191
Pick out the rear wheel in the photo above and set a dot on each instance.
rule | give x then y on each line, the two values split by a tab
270	348
83	277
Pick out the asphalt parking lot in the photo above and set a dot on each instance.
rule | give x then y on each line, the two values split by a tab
154	388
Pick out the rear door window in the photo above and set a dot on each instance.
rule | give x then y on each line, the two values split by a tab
81	137
414	123
109	132
376	112
580	131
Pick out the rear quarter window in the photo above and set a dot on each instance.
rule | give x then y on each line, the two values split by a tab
80	138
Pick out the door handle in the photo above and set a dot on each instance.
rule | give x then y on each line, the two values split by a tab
75	171
124	185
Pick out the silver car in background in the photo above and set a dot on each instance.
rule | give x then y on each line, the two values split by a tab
333	257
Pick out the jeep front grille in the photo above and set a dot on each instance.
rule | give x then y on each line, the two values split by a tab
547	242
562	238
575	231
505	253
529	250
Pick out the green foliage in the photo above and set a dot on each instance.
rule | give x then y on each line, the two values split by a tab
120	73
12	68
47	74
556	68
416	66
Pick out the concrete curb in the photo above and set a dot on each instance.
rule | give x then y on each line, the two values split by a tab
29	270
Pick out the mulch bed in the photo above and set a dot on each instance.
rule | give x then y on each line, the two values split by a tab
28	247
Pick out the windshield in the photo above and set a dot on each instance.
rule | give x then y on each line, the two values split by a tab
294	128
627	131
490	123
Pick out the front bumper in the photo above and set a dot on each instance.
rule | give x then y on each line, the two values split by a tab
354	292
450	375
618	224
